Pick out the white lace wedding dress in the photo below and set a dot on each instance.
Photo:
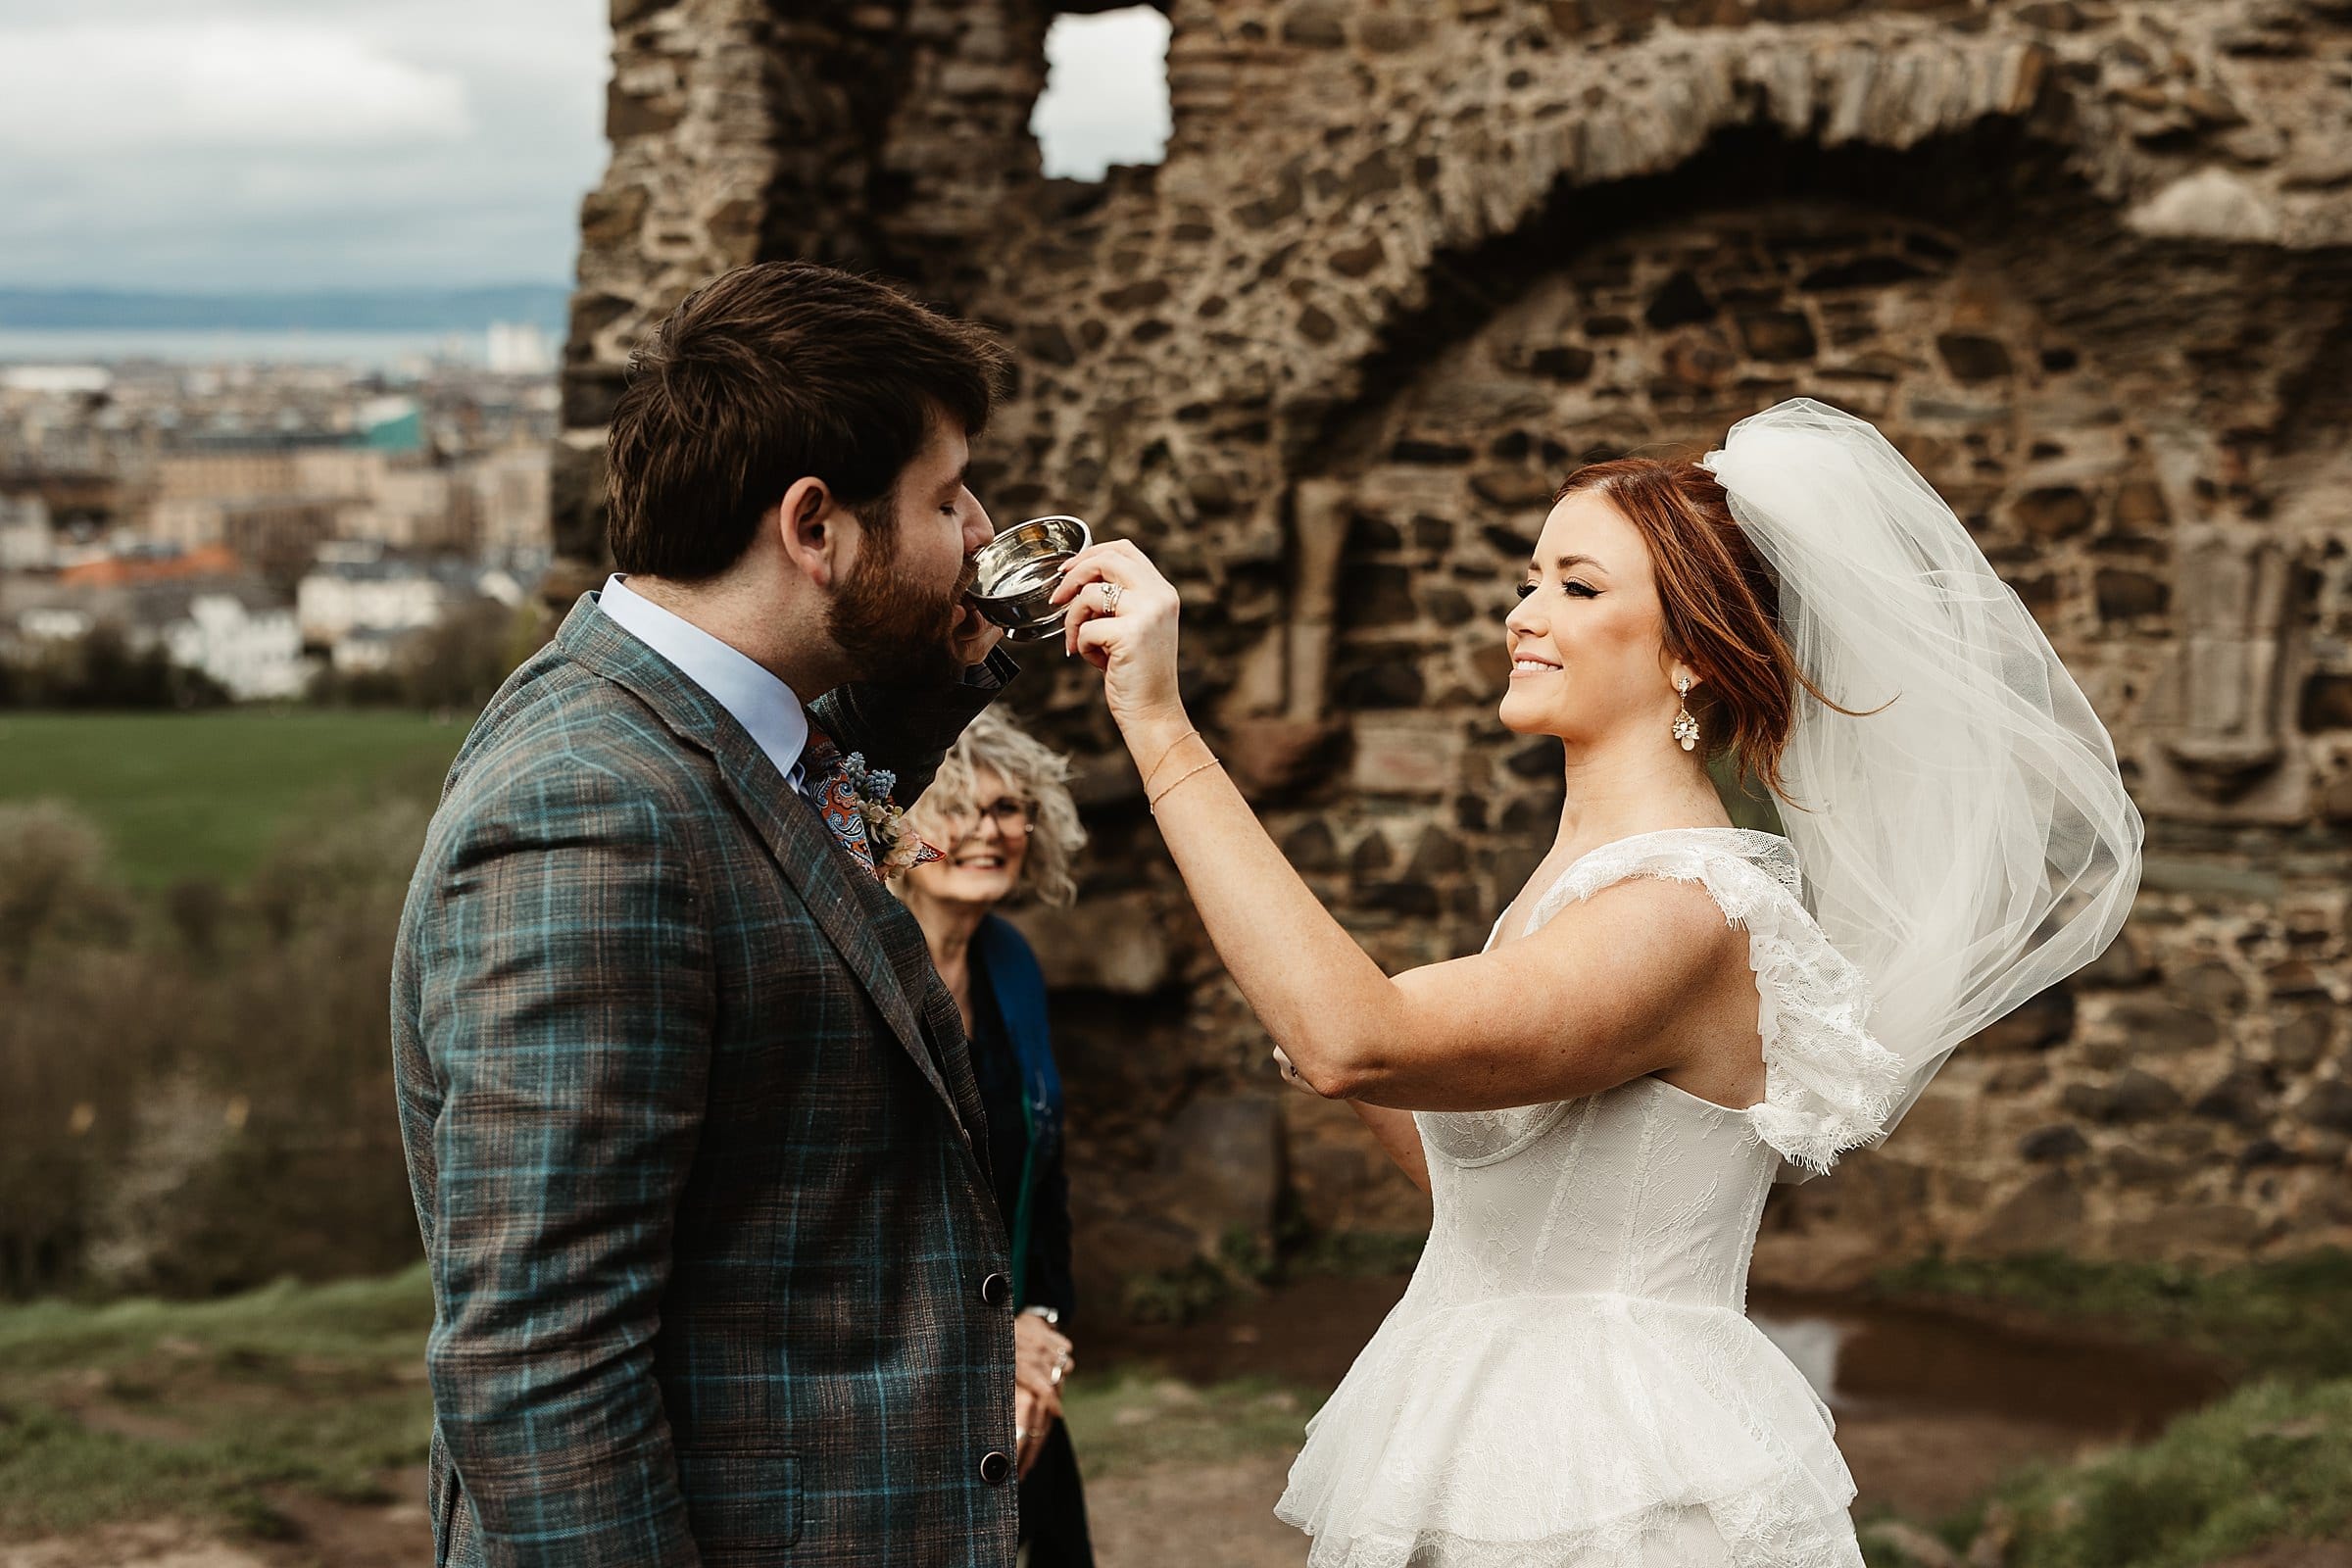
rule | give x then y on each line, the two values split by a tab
1571	1378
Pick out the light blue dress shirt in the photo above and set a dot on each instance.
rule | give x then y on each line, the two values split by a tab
759	701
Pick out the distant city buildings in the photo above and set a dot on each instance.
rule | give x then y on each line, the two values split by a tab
28	543
520	347
262	523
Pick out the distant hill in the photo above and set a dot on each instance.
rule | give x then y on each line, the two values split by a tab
462	309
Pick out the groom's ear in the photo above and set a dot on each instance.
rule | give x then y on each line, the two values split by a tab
814	531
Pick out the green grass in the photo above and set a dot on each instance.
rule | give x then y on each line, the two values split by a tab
2285	1318
1123	1421
350	1320
208	1410
143	1408
2271	1464
205	795
146	1408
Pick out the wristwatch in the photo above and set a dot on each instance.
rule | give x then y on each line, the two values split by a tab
1052	1317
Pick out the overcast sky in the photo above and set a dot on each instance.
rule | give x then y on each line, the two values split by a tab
256	144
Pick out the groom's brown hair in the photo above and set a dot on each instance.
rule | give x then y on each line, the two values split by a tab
771	375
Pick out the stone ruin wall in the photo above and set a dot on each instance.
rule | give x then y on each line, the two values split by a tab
2088	264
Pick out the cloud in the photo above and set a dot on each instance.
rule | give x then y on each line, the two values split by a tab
297	143
252	144
115	90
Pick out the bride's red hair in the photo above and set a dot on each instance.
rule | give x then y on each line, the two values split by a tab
1720	603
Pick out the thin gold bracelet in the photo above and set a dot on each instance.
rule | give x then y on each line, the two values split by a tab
1179	784
1190	734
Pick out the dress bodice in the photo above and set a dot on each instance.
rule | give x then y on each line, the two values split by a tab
1644	1190
1647	1190
1570	1378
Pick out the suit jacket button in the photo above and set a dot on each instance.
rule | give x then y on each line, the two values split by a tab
996	1291
995	1468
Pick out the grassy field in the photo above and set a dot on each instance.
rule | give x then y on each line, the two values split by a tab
205	795
224	1412
206	1410
201	1410
2280	1319
2267	1467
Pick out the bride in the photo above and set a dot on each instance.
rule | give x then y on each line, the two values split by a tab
1673	1011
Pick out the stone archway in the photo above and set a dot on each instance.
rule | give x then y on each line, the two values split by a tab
2069	399
1246	357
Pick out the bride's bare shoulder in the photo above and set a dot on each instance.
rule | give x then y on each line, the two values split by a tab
1640	918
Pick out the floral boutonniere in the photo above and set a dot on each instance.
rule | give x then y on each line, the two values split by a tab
896	845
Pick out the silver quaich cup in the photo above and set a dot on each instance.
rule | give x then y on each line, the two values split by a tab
1016	574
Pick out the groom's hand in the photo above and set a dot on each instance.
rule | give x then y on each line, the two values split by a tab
973	637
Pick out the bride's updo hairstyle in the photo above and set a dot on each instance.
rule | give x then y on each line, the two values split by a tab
1720	603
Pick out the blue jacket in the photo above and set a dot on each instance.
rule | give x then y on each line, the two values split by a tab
1040	1243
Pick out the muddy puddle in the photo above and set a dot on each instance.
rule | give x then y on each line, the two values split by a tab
1932	1406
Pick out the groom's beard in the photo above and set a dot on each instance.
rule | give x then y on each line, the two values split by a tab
891	629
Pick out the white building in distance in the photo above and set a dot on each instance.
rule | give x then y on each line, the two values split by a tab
339	598
519	348
256	654
27	543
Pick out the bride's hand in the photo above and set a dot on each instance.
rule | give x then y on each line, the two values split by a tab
1122	620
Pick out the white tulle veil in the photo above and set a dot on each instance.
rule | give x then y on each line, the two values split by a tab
1966	839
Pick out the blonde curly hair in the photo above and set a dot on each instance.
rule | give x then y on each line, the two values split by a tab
1033	771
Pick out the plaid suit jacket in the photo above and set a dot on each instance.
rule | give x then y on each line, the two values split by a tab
695	1145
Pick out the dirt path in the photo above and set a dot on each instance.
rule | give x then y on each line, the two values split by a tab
164	1545
325	1535
1170	1516
1186	1516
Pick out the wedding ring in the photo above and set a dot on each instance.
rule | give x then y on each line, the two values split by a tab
1110	598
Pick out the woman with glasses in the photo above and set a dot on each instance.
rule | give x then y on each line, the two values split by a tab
1000	812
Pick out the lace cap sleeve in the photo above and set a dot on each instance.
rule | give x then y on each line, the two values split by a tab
1829	1086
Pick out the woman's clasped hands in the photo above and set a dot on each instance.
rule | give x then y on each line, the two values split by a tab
1042	1356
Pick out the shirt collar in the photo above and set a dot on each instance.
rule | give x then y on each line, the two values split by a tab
759	701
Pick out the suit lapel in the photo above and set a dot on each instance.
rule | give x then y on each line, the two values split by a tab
901	937
802	847
816	863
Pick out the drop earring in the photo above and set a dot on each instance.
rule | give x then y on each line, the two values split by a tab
1686	729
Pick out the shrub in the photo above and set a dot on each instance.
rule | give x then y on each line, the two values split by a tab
201	1101
102	669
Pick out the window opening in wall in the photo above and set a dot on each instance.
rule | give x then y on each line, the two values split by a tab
1106	93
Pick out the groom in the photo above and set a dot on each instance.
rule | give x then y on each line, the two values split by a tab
694	1146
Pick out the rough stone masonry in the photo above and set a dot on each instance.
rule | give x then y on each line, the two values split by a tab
2088	262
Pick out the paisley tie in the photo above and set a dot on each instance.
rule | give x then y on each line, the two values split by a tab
829	782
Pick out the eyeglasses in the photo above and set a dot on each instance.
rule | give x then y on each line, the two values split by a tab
1012	817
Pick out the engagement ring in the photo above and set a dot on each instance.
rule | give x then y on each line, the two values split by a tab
1110	598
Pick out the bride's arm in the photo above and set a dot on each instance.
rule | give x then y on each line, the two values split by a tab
1400	1137
1584	1005
1396	1131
